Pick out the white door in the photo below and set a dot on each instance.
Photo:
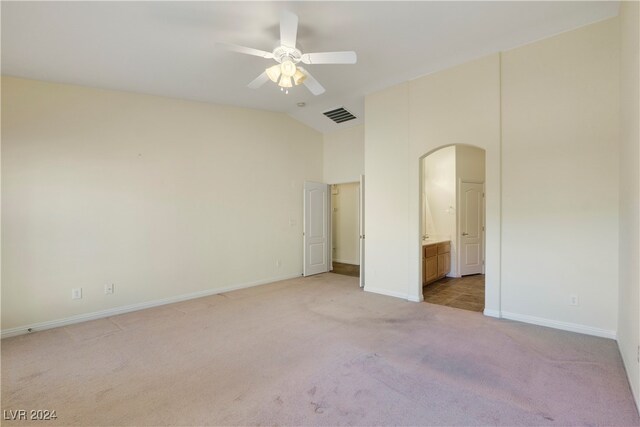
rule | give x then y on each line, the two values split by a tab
316	225
361	212
471	228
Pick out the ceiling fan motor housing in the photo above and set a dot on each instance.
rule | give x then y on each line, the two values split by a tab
282	53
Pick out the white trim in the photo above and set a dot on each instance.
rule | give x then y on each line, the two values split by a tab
556	324
341	261
386	292
20	330
329	214
361	236
417	298
491	313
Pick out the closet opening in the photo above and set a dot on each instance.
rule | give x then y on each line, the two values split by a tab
345	229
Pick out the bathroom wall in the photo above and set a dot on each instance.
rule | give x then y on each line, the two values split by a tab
439	201
470	164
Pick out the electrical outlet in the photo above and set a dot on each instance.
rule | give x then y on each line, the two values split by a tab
76	293
573	300
108	289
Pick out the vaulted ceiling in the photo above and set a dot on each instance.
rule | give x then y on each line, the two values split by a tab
168	48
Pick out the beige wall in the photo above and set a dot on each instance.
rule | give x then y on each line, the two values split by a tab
560	187
457	106
161	197
345	238
629	230
403	124
343	159
559	146
387	193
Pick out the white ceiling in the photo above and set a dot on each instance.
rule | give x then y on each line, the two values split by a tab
168	48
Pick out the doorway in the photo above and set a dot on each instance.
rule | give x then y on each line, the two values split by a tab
452	227
333	229
345	229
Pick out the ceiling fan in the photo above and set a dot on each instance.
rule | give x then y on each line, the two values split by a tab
287	72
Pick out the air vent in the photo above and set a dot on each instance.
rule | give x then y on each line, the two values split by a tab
339	115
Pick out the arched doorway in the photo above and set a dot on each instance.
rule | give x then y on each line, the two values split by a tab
452	226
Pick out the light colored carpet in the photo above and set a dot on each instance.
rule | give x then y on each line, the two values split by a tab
314	351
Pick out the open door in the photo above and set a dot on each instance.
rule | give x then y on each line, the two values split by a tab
316	228
361	212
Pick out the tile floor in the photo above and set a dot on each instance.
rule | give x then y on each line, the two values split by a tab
466	292
346	269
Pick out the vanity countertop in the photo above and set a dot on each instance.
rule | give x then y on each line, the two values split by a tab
434	240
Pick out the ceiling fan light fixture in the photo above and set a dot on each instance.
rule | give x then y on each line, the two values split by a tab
288	68
274	73
299	77
285	81
286	72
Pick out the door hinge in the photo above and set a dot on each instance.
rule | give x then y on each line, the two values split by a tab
482	194
483	228
639	354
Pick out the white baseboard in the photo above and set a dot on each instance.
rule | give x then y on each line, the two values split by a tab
556	324
386	292
20	330
491	313
419	298
342	261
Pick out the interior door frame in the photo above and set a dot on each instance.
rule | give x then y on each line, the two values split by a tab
361	224
361	220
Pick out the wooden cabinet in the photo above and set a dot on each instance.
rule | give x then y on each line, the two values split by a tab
430	269
436	261
444	264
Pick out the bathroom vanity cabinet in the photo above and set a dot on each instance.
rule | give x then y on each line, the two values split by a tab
436	261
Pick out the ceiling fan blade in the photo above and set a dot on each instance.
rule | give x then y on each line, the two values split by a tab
311	83
288	28
348	57
258	81
247	50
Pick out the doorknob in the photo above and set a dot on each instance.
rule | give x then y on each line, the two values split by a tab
465	233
